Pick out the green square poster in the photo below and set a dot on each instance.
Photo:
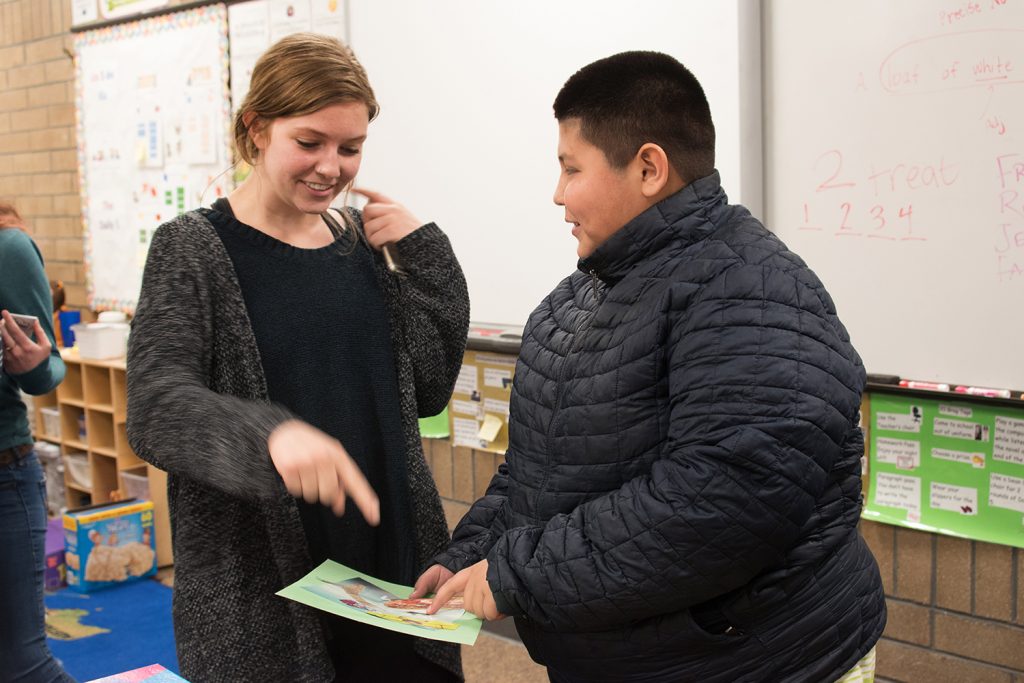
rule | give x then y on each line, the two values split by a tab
947	466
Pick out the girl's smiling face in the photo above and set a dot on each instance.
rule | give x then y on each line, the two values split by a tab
306	161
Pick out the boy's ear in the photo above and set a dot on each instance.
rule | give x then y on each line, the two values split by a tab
658	178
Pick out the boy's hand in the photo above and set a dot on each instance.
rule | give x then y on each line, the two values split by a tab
476	592
385	221
431	580
316	467
21	354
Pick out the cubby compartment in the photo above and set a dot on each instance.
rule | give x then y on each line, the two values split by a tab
70	390
100	429
119	392
45	417
96	387
73	427
48	425
135	484
105	483
79	472
76	497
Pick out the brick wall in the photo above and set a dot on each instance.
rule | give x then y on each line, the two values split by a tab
956	607
38	154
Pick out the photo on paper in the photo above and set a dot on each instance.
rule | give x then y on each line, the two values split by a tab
338	589
365	596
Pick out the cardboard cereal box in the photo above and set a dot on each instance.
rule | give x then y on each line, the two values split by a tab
108	544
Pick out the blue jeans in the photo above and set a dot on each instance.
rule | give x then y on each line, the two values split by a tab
24	654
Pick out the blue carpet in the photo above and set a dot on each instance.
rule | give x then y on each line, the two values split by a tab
136	616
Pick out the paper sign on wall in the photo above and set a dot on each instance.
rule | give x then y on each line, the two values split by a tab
949	468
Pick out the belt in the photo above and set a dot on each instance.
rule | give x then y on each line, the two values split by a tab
13	455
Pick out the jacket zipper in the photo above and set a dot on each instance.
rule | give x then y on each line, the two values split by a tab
583	326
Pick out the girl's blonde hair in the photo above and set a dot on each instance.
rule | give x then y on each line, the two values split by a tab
298	75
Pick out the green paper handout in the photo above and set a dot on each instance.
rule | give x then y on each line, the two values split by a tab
343	591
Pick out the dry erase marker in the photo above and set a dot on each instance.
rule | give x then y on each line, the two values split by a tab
914	384
390	261
982	391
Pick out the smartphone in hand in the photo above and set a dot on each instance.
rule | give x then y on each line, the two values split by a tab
27	323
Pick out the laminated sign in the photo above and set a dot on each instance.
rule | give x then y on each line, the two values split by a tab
948	467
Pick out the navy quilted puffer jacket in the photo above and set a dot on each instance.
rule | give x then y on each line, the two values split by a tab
682	489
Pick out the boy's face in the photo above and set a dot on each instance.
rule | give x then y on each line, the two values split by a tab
598	199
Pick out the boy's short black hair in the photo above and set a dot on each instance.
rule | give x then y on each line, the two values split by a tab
632	98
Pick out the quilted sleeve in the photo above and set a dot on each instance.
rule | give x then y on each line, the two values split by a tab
763	387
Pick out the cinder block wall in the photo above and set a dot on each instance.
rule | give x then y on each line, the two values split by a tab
38	153
956	607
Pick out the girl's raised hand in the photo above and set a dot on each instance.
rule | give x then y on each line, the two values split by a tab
385	221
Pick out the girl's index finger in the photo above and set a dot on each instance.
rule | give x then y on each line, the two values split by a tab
372	195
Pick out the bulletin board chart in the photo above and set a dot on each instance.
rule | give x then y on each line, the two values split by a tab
948	467
153	137
256	25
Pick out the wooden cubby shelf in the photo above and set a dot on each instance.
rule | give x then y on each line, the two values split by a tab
92	405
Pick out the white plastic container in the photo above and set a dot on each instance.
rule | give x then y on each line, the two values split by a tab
112	317
53	469
51	422
78	468
135	485
101	340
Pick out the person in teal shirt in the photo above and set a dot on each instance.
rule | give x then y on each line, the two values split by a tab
31	363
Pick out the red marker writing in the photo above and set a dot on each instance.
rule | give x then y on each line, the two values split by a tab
983	391
914	384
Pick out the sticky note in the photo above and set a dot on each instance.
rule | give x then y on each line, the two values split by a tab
490	427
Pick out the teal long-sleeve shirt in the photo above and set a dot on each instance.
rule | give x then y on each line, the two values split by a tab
25	289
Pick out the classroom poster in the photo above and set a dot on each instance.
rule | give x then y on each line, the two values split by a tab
948	467
479	408
257	24
153	139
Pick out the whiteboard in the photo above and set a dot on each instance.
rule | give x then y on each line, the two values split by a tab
466	136
153	114
895	166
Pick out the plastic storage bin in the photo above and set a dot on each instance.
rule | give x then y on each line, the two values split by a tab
135	485
53	469
78	468
51	422
101	340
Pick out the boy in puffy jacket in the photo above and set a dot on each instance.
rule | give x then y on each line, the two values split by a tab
681	492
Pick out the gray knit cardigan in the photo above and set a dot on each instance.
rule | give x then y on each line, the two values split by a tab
198	409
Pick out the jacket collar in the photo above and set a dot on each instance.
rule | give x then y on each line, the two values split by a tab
685	217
